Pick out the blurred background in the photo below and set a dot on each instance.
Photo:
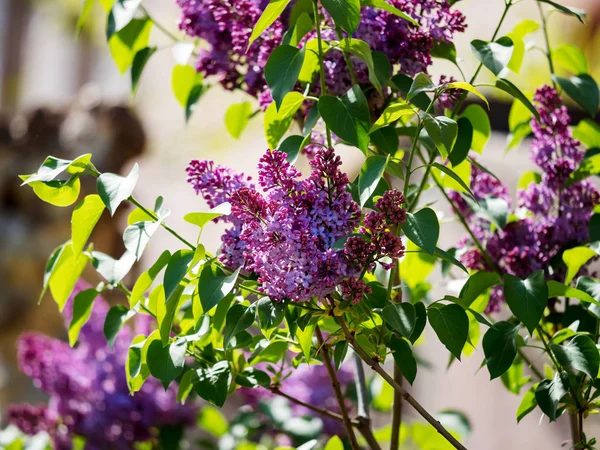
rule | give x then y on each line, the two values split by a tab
65	97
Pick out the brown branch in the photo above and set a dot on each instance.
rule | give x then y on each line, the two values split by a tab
337	389
397	410
374	364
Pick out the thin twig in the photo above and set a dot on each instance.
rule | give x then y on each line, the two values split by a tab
337	389
374	364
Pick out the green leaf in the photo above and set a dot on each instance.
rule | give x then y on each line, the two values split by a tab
212	384
115	319
277	122
345	13
464	141
200	219
518	37
214	286
145	280
137	236
166	363
449	258
282	71
452	174
422	83
213	421
420	323
52	167
587	168
86	8
291	146
270	315
500	347
339	353
348	117
467	87
528	403
268	17
575	12
113	270
514	379
127	42
239	318
385	6
370	174
183	80
311	59
85	217
401	317
588	132
176	269
477	284
482	129
303	25
508	87
549	394
140	60
114	189
120	15
556	289
575	258
527	178
571	58
583	89
237	118
166	309
493	55
443	131
493	209
403	83
444	50
527	298
253	378
82	310
387	142
362	50
451	324
404	358
423	229
62	272
197	91
579	354
391	114
57	193
270	352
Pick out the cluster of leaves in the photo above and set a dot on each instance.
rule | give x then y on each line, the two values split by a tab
238	337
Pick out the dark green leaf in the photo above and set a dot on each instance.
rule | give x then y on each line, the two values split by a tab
214	286
401	317
527	298
115	319
448	171
451	324
213	384
114	189
404	358
422	83
176	270
515	92
291	147
500	347
444	50
140	60
384	5
270	315
420	322
239	318
386	140
449	258
121	14
166	363
197	91
423	229
493	209
443	131
403	84
583	89
549	394
464	141
370	175
282	70
348	117
253	378
579	13
493	55
339	353
345	13
579	354
476	285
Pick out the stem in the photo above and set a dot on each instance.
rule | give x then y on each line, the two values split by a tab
321	62
374	364
158	25
548	52
337	389
547	347
363	418
397	411
574	424
530	364
323	412
164	225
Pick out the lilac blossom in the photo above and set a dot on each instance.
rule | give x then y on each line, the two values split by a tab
89	395
556	215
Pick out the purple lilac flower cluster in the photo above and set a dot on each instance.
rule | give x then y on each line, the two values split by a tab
226	25
556	215
87	385
309	384
286	233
